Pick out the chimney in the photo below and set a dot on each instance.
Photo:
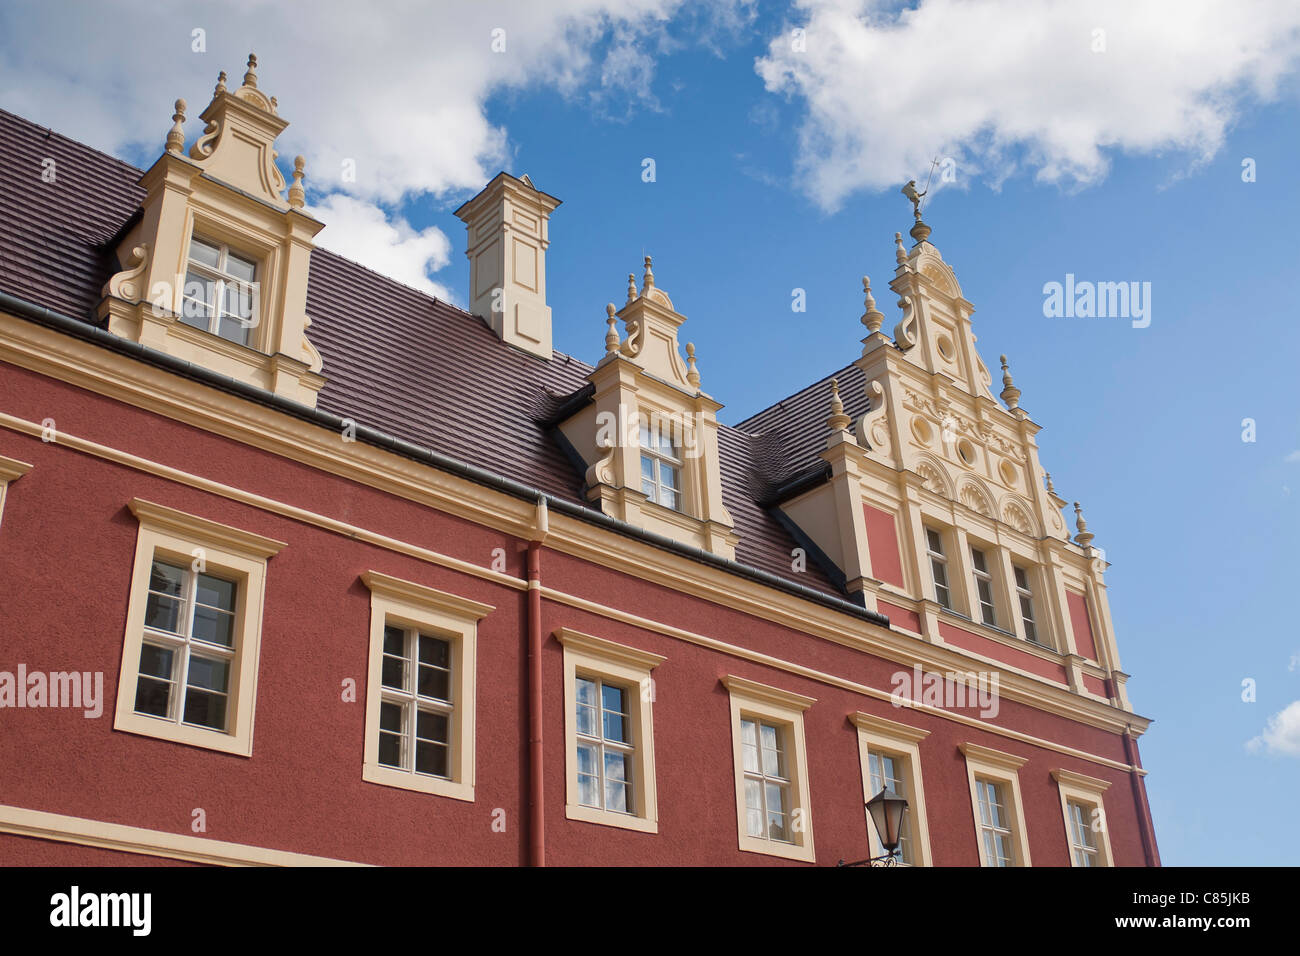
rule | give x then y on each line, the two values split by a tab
506	246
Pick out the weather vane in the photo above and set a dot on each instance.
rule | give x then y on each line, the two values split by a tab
915	197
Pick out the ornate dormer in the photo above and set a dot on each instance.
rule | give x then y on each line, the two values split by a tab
650	435
214	266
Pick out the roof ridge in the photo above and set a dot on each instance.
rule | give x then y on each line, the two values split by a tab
51	131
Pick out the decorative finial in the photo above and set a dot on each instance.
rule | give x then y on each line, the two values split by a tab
900	254
1084	537
221	84
873	317
1010	394
648	282
176	136
1051	488
838	420
692	373
298	195
611	333
631	287
250	78
274	104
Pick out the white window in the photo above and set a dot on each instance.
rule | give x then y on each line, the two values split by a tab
420	689
1025	594
1082	804
661	466
891	758
416	706
221	291
193	632
605	747
938	567
886	773
188	647
609	732
1000	833
984	587
771	768
1083	846
767	780
995	825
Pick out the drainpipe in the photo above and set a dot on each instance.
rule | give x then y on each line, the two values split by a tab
536	801
1140	798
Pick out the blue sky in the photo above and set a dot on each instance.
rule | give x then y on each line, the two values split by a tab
1114	165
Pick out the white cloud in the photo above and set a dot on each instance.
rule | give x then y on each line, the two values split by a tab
1281	734
398	88
997	84
386	243
1293	456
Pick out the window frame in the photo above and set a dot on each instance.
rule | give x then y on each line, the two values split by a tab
673	459
629	668
233	554
395	602
219	275
11	469
941	558
988	576
752	700
1028	592
1086	791
878	735
984	763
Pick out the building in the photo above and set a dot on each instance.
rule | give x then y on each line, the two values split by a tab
304	566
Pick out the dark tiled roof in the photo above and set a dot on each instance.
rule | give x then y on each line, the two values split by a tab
796	426
395	359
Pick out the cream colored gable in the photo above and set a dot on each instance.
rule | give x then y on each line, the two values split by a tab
228	192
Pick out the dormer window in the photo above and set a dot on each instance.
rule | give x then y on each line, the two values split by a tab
220	294
661	467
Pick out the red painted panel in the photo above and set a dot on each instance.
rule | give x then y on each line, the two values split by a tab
1081	621
1096	685
900	616
959	637
882	544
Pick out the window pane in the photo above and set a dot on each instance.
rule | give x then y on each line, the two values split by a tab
214	592
240	268
588	791
434	683
156	661
615	766
152	696
977	558
394	672
431	726
614	727
935	542
204	252
390	717
616	796
670	476
390	749
1022	580
208	673
647	468
435	651
205	709
587	756
213	626
233	330
166	579
394	641
163	613
196	300
753	808
431	758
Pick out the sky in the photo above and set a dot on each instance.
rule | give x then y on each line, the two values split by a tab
1134	141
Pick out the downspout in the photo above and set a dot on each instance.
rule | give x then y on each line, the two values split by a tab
536	799
1140	798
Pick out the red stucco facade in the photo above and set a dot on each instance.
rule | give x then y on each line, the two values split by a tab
66	545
